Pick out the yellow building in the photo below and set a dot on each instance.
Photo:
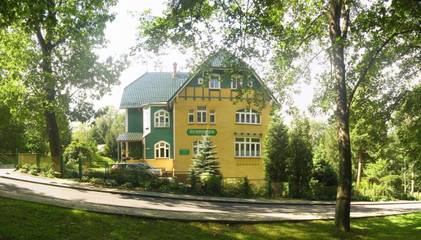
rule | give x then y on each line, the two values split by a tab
168	113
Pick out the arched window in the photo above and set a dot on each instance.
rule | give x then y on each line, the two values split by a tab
162	150
161	119
247	116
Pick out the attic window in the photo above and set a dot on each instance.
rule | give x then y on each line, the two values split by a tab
200	81
215	82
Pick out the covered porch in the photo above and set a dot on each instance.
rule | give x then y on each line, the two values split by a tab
130	146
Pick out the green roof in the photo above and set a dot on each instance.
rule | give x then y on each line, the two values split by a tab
152	87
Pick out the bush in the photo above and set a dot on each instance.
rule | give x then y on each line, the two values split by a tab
25	168
97	181
246	190
76	152
212	184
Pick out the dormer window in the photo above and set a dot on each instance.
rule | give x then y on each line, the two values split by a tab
161	119
236	82
215	82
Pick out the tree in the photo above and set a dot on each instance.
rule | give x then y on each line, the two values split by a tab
276	154
107	126
408	122
300	159
361	41
62	36
205	163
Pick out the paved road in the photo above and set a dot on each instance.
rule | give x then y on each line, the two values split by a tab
185	209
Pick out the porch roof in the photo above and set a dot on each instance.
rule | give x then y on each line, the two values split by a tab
130	137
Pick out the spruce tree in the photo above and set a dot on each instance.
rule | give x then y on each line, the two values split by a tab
205	161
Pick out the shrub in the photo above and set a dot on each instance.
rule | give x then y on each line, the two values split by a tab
127	185
246	190
212	184
25	168
97	181
76	152
33	170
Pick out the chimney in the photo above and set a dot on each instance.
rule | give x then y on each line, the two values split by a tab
174	70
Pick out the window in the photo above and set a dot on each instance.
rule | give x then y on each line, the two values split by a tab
247	147
200	81
214	82
247	116
212	117
161	119
201	114
236	82
196	146
162	150
250	83
190	116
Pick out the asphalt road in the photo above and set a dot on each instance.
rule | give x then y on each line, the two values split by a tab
187	209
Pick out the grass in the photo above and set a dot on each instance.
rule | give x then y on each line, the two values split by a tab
26	220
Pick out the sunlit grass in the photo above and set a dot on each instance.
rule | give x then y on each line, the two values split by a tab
26	220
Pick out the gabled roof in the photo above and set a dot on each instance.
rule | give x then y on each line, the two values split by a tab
161	87
152	87
222	58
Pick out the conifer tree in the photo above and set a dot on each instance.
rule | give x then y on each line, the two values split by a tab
205	161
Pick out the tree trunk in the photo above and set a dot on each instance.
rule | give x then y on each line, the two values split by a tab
412	179
53	138
360	168
343	197
49	108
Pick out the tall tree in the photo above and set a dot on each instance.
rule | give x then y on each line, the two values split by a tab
276	155
361	41
63	37
408	122
300	159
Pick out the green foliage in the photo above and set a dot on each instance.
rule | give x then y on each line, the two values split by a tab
60	68
211	185
108	125
324	174
300	159
246	188
323	181
205	161
276	154
78	152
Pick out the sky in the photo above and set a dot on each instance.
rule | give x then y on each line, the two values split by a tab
121	36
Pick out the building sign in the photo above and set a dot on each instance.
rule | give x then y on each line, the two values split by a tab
184	151
201	132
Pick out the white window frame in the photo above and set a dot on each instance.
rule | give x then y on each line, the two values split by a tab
236	82
201	114
190	113
248	116
196	146
248	147
162	150
212	114
165	119
215	78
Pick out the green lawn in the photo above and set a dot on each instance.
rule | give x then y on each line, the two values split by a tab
25	220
